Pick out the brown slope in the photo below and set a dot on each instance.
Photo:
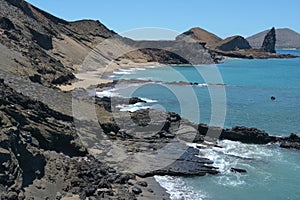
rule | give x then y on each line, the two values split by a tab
200	35
44	47
285	38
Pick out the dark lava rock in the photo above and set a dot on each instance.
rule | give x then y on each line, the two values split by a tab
269	41
134	100
43	40
136	190
238	170
108	102
39	143
291	142
63	78
247	135
6	24
189	164
36	78
142	183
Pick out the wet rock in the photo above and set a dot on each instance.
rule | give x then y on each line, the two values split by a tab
134	100
291	142
247	135
189	164
238	170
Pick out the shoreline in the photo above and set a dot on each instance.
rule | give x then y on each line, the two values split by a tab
158	187
99	76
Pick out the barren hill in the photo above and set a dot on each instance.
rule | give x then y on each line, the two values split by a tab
232	44
200	35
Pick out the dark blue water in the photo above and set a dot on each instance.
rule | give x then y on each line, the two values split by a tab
273	173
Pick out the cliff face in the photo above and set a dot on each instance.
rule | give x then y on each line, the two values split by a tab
285	38
233	43
199	35
48	50
269	42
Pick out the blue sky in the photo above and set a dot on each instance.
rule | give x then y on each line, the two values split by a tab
222	17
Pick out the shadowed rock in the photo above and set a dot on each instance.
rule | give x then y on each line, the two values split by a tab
269	41
233	43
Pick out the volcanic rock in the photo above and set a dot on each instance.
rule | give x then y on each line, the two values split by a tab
269	41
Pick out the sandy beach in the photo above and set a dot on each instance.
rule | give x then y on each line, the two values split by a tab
86	78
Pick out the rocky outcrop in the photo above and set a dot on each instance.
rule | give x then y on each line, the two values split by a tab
199	35
250	136
269	42
41	155
148	132
247	135
189	164
252	54
285	38
293	141
233	43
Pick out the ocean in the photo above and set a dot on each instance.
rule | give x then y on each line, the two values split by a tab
242	89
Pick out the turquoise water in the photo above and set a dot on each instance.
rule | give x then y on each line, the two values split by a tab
272	172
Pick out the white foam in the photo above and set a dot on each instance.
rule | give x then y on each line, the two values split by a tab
122	72
107	93
126	70
138	68
202	85
151	66
148	100
237	155
132	108
178	190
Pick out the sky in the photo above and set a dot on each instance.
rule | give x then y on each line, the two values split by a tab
222	17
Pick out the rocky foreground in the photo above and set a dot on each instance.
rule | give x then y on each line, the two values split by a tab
44	153
42	156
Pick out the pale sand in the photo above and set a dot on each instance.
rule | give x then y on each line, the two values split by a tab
157	191
94	77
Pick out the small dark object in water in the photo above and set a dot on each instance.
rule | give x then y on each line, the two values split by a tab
238	170
273	98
